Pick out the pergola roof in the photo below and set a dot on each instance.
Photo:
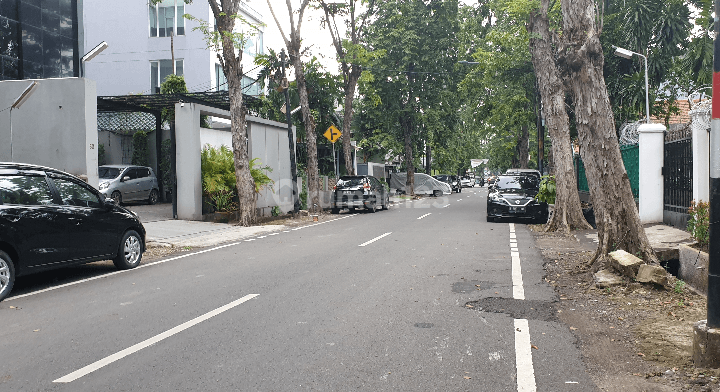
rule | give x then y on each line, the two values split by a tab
155	103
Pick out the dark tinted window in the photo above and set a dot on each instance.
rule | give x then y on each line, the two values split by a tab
132	173
345	182
108	173
73	194
517	182
142	172
24	190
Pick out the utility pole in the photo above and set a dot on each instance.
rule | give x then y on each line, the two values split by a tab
713	303
293	164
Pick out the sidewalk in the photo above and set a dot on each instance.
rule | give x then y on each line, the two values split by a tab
164	231
665	240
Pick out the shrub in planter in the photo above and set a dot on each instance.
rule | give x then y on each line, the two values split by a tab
699	223
546	193
218	177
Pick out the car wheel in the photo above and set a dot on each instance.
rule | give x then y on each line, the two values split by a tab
335	211
373	207
129	251
437	193
117	197
153	198
7	275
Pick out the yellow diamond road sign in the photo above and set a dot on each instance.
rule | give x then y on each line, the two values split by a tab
332	134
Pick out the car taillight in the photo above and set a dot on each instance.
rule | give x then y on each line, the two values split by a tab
334	187
366	186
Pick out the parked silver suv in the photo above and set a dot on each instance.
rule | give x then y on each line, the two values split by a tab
128	183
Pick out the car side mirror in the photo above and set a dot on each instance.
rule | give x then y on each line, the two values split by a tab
126	178
110	202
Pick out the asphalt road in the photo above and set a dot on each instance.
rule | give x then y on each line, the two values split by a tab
427	296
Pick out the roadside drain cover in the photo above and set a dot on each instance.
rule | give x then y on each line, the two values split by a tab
424	325
516	308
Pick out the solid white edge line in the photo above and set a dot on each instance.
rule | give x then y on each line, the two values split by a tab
149	342
109	274
523	357
426	215
375	239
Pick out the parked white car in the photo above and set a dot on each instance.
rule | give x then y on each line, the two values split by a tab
424	184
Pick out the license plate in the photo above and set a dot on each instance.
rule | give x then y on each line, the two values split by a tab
348	192
517	209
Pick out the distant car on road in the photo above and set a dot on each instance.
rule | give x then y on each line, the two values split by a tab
466	182
359	192
128	183
450	180
424	184
513	196
51	219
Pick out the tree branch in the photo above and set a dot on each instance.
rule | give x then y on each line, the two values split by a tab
287	43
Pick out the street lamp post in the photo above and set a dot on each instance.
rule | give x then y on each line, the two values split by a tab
627	54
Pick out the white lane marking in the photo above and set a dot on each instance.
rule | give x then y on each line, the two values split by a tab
262	236
447	205
251	239
512	235
274	234
512	227
375	239
142	266
149	342
518	290
424	216
523	357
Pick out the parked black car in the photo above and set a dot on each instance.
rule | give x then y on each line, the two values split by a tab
451	180
359	192
513	196
51	219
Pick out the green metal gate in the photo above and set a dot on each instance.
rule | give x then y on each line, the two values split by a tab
631	160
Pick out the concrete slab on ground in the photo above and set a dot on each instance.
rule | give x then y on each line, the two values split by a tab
665	240
180	233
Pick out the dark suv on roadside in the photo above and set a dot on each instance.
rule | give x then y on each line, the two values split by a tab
51	219
513	196
365	192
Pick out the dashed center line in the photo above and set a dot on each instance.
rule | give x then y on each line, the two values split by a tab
424	216
375	239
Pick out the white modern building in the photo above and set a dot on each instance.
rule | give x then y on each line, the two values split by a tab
141	50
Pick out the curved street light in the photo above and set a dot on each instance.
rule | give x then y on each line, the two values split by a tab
627	54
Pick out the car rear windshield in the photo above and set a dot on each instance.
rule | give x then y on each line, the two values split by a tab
443	178
517	182
347	182
108	173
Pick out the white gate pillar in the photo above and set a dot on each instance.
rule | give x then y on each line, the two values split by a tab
700	122
652	147
187	158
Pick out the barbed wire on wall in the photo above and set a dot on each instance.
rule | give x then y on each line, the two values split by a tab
629	133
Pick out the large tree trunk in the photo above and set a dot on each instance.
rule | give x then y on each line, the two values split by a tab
409	165
582	59
568	213
347	120
523	153
232	67
313	179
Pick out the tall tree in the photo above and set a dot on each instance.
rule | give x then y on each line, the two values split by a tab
350	54
224	39
419	44
581	59
293	45
568	213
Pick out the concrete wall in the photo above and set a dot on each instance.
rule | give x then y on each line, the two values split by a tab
55	127
268	142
